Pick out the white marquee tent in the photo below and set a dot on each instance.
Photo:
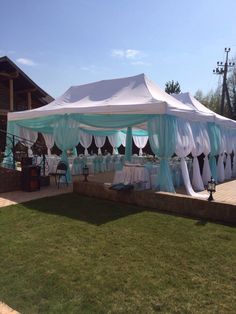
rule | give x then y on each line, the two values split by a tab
115	107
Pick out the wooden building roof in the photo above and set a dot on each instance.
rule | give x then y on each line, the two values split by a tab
8	70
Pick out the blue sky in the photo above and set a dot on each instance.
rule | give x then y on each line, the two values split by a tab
60	43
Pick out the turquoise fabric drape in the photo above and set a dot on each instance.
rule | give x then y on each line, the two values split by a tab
215	140
66	136
111	121
137	132
12	129
75	154
162	132
128	144
43	124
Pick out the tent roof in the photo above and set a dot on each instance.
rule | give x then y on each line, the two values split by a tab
193	103
130	95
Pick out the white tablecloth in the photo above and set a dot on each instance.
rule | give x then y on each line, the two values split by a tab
137	175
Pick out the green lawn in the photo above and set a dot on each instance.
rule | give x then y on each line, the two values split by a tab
72	254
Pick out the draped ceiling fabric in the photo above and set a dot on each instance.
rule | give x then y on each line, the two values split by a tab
107	107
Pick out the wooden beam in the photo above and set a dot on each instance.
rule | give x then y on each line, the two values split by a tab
29	90
29	100
9	75
11	94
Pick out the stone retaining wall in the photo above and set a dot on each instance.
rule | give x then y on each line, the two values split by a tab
167	202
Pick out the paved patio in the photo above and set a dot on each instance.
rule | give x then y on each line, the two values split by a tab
16	197
225	192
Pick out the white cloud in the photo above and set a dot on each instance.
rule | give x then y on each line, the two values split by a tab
118	53
93	68
139	62
89	68
130	54
133	54
26	61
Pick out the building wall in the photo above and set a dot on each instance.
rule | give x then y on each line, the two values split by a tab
4	97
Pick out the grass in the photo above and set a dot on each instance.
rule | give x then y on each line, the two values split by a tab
72	254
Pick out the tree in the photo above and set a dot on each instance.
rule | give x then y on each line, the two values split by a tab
231	82
211	100
172	87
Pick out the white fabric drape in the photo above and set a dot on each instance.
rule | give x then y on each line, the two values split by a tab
99	142
49	141
228	149
116	140
220	163
85	140
228	169
29	135
140	142
206	171
184	145
220	168
197	150
234	159
187	182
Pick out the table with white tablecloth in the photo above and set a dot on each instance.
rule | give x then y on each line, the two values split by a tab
134	174
149	172
95	163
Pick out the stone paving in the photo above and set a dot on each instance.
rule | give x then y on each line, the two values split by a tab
5	309
225	192
16	197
